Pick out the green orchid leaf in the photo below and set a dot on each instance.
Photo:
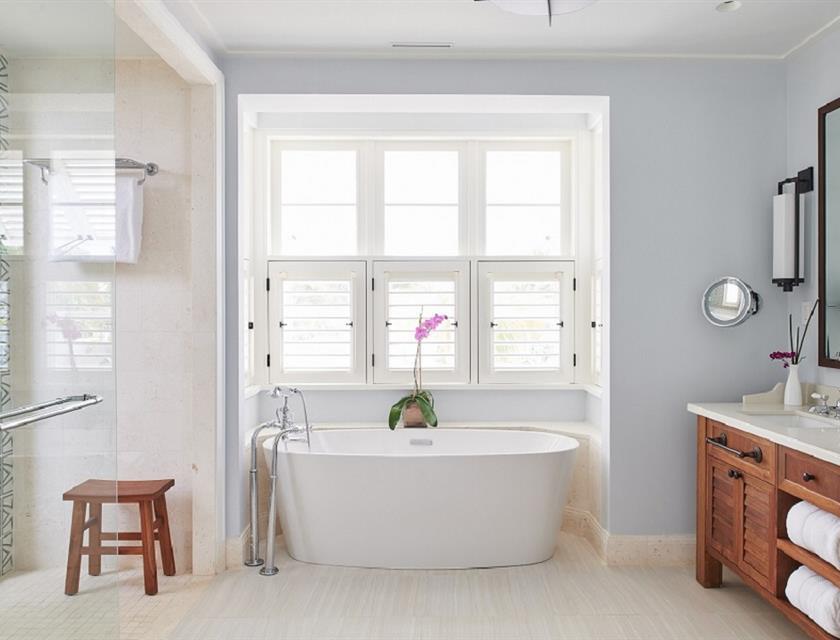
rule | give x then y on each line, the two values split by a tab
427	411
396	411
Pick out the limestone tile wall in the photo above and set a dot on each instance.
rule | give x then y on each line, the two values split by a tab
155	345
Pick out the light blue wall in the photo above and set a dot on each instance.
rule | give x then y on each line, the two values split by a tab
696	150
813	79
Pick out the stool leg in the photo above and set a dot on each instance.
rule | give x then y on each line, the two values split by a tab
74	554
165	537
147	536
95	539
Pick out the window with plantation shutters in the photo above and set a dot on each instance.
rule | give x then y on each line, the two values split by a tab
316	319
11	201
525	321
80	325
402	293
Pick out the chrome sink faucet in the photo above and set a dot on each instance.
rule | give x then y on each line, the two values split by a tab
820	409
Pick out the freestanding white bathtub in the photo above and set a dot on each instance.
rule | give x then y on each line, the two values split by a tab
423	498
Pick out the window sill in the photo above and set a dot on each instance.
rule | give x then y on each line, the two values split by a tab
591	389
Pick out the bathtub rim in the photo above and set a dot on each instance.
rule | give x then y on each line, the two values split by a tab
573	444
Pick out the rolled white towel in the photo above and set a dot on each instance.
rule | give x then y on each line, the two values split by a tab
815	530
816	597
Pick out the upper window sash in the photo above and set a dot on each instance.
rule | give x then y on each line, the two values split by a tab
543	196
398	198
338	174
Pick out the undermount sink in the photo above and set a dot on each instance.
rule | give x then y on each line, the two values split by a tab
804	421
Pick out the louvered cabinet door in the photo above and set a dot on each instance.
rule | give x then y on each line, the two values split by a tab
757	542
723	508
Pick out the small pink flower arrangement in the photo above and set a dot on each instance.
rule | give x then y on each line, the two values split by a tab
423	400
427	326
784	356
794	356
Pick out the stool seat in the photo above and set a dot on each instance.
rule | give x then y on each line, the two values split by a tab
111	492
88	498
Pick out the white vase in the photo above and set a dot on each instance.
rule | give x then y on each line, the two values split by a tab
793	388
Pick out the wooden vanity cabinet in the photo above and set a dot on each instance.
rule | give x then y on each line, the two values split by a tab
745	487
738	512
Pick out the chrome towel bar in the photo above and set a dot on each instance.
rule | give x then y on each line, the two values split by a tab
63	405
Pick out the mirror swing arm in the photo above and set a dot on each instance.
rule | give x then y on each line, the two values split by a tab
803	183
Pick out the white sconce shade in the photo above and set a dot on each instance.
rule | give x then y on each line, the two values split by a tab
786	259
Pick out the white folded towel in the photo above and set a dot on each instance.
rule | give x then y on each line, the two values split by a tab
129	218
99	232
816	597
815	530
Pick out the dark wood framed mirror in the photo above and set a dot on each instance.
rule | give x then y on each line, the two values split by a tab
829	233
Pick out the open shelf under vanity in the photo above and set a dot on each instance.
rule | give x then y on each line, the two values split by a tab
746	486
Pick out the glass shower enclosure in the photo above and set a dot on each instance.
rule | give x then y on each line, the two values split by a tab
57	309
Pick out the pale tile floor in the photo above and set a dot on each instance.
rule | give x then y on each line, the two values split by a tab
570	597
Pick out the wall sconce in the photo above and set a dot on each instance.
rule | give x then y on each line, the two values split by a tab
789	230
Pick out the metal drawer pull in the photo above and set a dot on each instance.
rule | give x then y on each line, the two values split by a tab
807	477
720	442
734	474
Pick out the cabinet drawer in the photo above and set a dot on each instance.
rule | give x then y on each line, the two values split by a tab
811	479
748	453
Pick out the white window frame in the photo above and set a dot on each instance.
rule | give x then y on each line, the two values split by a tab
430	269
567	194
319	270
379	150
514	269
274	197
370	147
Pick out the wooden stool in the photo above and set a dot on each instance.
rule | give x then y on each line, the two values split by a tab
154	524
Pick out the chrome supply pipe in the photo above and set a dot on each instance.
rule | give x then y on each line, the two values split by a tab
286	430
253	559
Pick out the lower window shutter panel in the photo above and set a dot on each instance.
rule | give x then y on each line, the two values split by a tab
528	323
315	311
407	291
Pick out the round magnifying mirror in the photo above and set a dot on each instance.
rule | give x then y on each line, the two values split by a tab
729	301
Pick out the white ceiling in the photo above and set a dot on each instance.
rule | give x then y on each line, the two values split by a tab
761	28
66	28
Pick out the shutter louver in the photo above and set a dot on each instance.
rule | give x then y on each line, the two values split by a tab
406	300
317	325
79	325
11	201
526	331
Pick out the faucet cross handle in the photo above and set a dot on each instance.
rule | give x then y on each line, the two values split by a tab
821	398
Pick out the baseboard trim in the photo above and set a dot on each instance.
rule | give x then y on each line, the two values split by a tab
236	549
623	550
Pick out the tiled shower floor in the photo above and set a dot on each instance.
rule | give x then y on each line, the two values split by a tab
570	597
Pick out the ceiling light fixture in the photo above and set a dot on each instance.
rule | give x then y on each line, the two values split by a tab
729	6
548	8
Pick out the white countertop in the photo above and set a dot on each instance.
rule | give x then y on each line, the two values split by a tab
820	442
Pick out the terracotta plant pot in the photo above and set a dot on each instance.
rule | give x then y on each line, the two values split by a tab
412	416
